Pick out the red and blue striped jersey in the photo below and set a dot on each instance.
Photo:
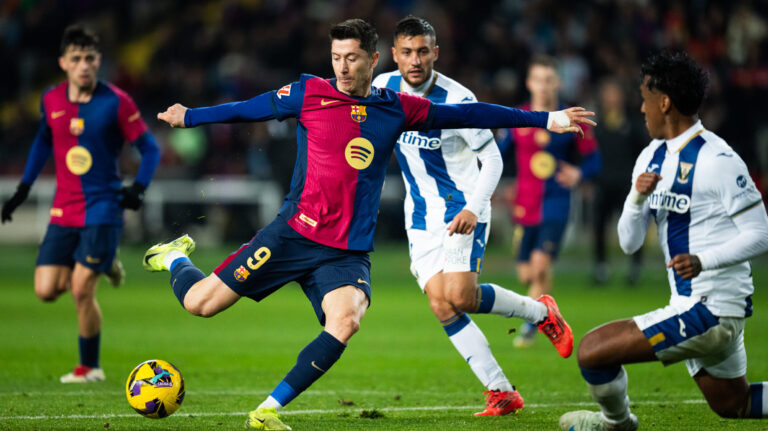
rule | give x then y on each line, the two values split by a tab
344	146
86	140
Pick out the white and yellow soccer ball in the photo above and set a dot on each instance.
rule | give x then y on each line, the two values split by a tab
155	389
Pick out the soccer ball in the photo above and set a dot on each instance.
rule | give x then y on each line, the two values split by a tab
155	389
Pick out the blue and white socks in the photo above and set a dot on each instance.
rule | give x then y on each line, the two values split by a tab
609	389
469	340
494	299
757	407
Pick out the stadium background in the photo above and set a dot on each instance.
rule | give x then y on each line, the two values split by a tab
222	182
204	53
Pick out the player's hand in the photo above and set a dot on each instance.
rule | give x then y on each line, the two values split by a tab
568	120
132	196
464	223
567	175
646	183
174	115
22	191
685	265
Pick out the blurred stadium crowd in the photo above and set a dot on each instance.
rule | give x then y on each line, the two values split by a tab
209	52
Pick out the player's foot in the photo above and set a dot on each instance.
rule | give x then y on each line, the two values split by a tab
556	328
500	403
154	258
116	274
83	374
584	420
527	336
265	418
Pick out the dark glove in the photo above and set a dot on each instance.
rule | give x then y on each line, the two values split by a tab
132	196
10	205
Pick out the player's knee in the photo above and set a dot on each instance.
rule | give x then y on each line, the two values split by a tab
441	308
200	308
48	292
589	354
82	296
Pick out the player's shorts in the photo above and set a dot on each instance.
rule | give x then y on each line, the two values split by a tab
694	334
92	246
545	237
278	255
433	252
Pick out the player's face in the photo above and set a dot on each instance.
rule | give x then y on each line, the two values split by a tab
81	65
543	83
652	109
415	57
353	67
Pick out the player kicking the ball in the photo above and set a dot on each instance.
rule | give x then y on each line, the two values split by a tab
346	133
447	218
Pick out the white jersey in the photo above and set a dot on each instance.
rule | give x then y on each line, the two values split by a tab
704	185
439	167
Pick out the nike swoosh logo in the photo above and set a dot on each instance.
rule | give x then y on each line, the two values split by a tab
149	256
316	367
324	102
57	114
360	280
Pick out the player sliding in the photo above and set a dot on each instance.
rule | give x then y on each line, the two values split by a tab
711	221
447	218
324	231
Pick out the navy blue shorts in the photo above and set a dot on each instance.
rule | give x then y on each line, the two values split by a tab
545	237
92	246
278	255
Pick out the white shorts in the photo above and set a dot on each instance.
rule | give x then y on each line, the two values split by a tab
435	252
692	333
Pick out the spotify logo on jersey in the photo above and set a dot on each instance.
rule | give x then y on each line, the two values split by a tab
79	160
359	153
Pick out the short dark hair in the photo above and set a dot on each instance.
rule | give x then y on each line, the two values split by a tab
414	26
359	29
678	76
79	36
544	60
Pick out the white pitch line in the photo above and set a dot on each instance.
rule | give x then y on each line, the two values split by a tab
319	411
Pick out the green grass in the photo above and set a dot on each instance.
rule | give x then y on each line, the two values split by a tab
400	364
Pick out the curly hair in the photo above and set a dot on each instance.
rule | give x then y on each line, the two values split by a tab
678	76
359	29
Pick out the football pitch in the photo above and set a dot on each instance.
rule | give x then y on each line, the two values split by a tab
400	372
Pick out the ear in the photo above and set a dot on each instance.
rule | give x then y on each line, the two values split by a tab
394	55
374	60
665	104
62	63
437	52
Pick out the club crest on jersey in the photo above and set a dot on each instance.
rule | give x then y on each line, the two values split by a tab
358	113
359	153
285	91
76	126
666	200
684	172
241	274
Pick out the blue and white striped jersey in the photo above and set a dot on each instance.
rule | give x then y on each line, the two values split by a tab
705	185
439	167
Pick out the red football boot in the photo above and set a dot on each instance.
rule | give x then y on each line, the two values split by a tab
500	403
555	327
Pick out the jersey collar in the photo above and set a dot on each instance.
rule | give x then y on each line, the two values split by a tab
422	90
679	142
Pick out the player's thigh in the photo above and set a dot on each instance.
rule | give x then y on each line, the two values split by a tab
612	344
97	247
426	252
693	333
461	290
725	396
209	296
51	281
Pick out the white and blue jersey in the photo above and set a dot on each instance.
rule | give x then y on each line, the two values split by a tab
704	186
439	167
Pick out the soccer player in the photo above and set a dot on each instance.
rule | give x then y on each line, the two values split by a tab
346	133
546	174
711	221
85	123
447	217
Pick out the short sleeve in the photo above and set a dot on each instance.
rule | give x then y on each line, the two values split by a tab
731	181
415	108
128	116
288	100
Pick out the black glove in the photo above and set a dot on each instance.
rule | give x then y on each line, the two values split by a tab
131	196
10	205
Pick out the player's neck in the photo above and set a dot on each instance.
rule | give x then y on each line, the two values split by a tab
676	125
77	94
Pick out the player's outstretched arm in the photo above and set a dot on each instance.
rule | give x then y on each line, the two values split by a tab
489	116
174	115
